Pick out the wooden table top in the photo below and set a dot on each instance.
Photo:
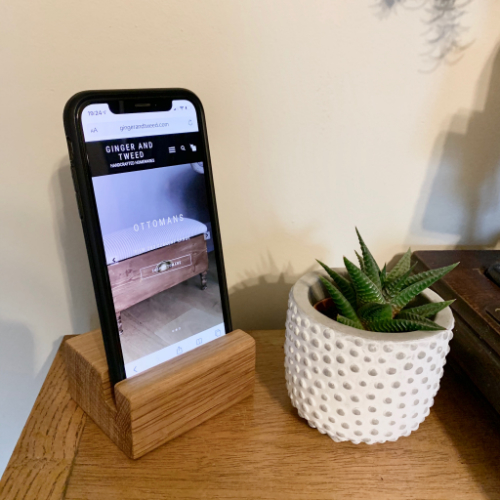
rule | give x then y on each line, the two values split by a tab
259	448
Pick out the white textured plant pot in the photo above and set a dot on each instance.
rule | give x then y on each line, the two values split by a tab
356	385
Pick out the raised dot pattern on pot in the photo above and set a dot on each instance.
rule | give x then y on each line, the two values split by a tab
364	390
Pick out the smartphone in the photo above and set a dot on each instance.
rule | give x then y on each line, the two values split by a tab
143	181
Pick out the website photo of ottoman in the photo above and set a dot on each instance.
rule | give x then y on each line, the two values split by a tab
159	252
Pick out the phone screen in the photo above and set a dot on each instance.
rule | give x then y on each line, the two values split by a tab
154	212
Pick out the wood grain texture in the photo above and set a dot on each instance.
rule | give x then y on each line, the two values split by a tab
134	280
160	404
475	347
261	449
41	463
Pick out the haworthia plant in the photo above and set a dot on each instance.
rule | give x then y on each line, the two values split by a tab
379	300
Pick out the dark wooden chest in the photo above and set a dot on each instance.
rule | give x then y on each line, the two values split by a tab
475	347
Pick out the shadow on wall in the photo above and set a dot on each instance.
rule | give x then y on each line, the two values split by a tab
71	249
444	20
462	195
384	8
20	384
260	300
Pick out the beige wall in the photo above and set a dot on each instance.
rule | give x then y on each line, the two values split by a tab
322	115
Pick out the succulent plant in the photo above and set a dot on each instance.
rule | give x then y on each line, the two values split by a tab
379	300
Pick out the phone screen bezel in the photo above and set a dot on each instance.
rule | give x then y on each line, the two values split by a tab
90	219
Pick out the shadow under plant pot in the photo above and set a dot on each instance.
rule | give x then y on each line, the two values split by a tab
357	385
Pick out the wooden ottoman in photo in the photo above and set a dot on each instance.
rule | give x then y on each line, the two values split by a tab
144	263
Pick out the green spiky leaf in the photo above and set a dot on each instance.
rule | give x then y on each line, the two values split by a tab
383	276
366	290
399	325
426	274
343	305
375	311
401	267
408	293
370	267
378	300
342	283
392	288
360	261
349	322
417	317
427	310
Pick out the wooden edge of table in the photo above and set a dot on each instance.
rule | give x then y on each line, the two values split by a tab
42	460
41	463
455	454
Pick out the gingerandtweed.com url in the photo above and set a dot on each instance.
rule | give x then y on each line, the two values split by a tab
128	128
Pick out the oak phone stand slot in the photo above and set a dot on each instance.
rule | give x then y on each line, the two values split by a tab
149	409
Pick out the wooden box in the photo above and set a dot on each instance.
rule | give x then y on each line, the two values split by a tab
475	347
149	409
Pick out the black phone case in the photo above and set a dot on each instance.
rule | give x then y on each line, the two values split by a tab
89	216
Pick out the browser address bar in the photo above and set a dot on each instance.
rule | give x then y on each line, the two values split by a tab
103	131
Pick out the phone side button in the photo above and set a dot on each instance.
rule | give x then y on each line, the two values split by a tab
79	203
73	176
70	148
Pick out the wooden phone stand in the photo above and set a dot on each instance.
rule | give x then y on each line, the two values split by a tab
149	409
